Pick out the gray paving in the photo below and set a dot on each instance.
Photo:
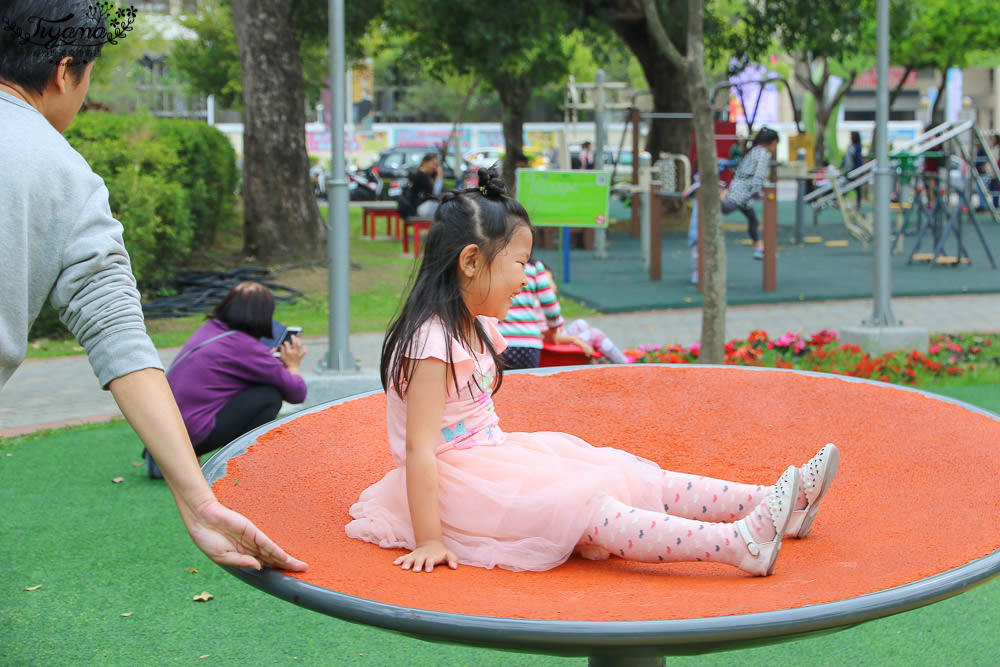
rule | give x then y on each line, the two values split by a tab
50	392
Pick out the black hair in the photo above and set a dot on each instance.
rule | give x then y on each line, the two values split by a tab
427	158
855	137
248	307
35	35
765	136
485	217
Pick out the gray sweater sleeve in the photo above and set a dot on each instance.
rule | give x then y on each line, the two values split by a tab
62	243
96	294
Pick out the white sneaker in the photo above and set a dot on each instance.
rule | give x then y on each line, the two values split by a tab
762	555
817	475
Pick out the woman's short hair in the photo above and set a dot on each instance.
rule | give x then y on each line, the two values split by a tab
248	307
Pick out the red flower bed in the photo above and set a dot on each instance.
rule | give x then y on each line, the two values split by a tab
947	356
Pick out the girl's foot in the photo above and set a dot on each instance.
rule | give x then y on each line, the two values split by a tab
817	475
764	541
758	252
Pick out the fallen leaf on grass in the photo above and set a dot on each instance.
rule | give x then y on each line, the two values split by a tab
204	656
137	463
127	614
204	596
192	570
118	480
32	588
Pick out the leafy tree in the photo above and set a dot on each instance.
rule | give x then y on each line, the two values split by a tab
513	49
120	80
819	35
940	34
211	60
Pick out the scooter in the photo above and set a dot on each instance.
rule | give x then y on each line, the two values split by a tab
366	186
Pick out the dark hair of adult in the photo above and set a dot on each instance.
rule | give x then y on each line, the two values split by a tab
765	136
856	137
35	35
483	216
248	307
427	158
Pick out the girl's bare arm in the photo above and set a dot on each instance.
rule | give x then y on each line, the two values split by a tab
425	396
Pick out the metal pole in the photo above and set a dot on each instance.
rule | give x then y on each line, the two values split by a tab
338	237
881	310
641	197
600	234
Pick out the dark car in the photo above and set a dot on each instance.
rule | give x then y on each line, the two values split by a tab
395	164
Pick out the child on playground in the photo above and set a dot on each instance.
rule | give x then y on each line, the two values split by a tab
533	311
749	180
579	332
464	491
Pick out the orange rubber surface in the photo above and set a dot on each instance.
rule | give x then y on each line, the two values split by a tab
916	493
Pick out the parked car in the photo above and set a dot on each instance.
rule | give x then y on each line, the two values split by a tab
619	163
394	165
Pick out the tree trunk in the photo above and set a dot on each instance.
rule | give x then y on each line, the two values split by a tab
824	106
937	116
713	282
514	96
280	216
668	85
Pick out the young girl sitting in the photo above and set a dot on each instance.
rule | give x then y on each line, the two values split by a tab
466	492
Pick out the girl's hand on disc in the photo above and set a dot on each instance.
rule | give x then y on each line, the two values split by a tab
425	557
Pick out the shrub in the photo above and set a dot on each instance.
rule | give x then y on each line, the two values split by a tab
171	184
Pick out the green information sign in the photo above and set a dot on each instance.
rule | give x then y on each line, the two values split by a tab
570	198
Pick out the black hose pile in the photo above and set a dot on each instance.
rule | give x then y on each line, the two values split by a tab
200	291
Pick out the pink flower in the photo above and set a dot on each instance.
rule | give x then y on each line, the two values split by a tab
933	349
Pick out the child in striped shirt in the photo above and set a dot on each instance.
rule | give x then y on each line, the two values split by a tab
521	328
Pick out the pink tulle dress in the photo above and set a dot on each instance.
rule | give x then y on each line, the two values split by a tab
519	501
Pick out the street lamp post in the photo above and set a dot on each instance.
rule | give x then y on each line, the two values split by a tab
338	356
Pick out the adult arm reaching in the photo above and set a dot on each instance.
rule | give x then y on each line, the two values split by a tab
228	538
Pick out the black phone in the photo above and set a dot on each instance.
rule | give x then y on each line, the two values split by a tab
286	336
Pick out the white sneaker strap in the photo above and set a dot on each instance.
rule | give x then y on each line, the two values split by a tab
752	546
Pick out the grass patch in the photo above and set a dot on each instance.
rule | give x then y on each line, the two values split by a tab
379	277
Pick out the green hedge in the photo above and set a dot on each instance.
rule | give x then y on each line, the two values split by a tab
172	184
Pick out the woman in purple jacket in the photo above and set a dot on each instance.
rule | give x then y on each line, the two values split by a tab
226	382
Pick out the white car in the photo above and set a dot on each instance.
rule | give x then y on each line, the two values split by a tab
484	158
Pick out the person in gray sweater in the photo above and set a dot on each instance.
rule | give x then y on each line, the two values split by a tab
61	242
748	181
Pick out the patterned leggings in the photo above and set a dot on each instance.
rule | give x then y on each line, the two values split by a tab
695	524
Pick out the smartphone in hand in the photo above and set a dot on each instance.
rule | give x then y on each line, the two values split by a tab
286	336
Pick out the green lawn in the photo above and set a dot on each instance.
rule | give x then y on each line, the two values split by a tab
114	568
380	275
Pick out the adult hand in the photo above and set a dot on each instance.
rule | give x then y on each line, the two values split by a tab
291	352
425	557
225	536
229	538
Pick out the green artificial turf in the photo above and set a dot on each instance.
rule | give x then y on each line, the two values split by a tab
100	549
